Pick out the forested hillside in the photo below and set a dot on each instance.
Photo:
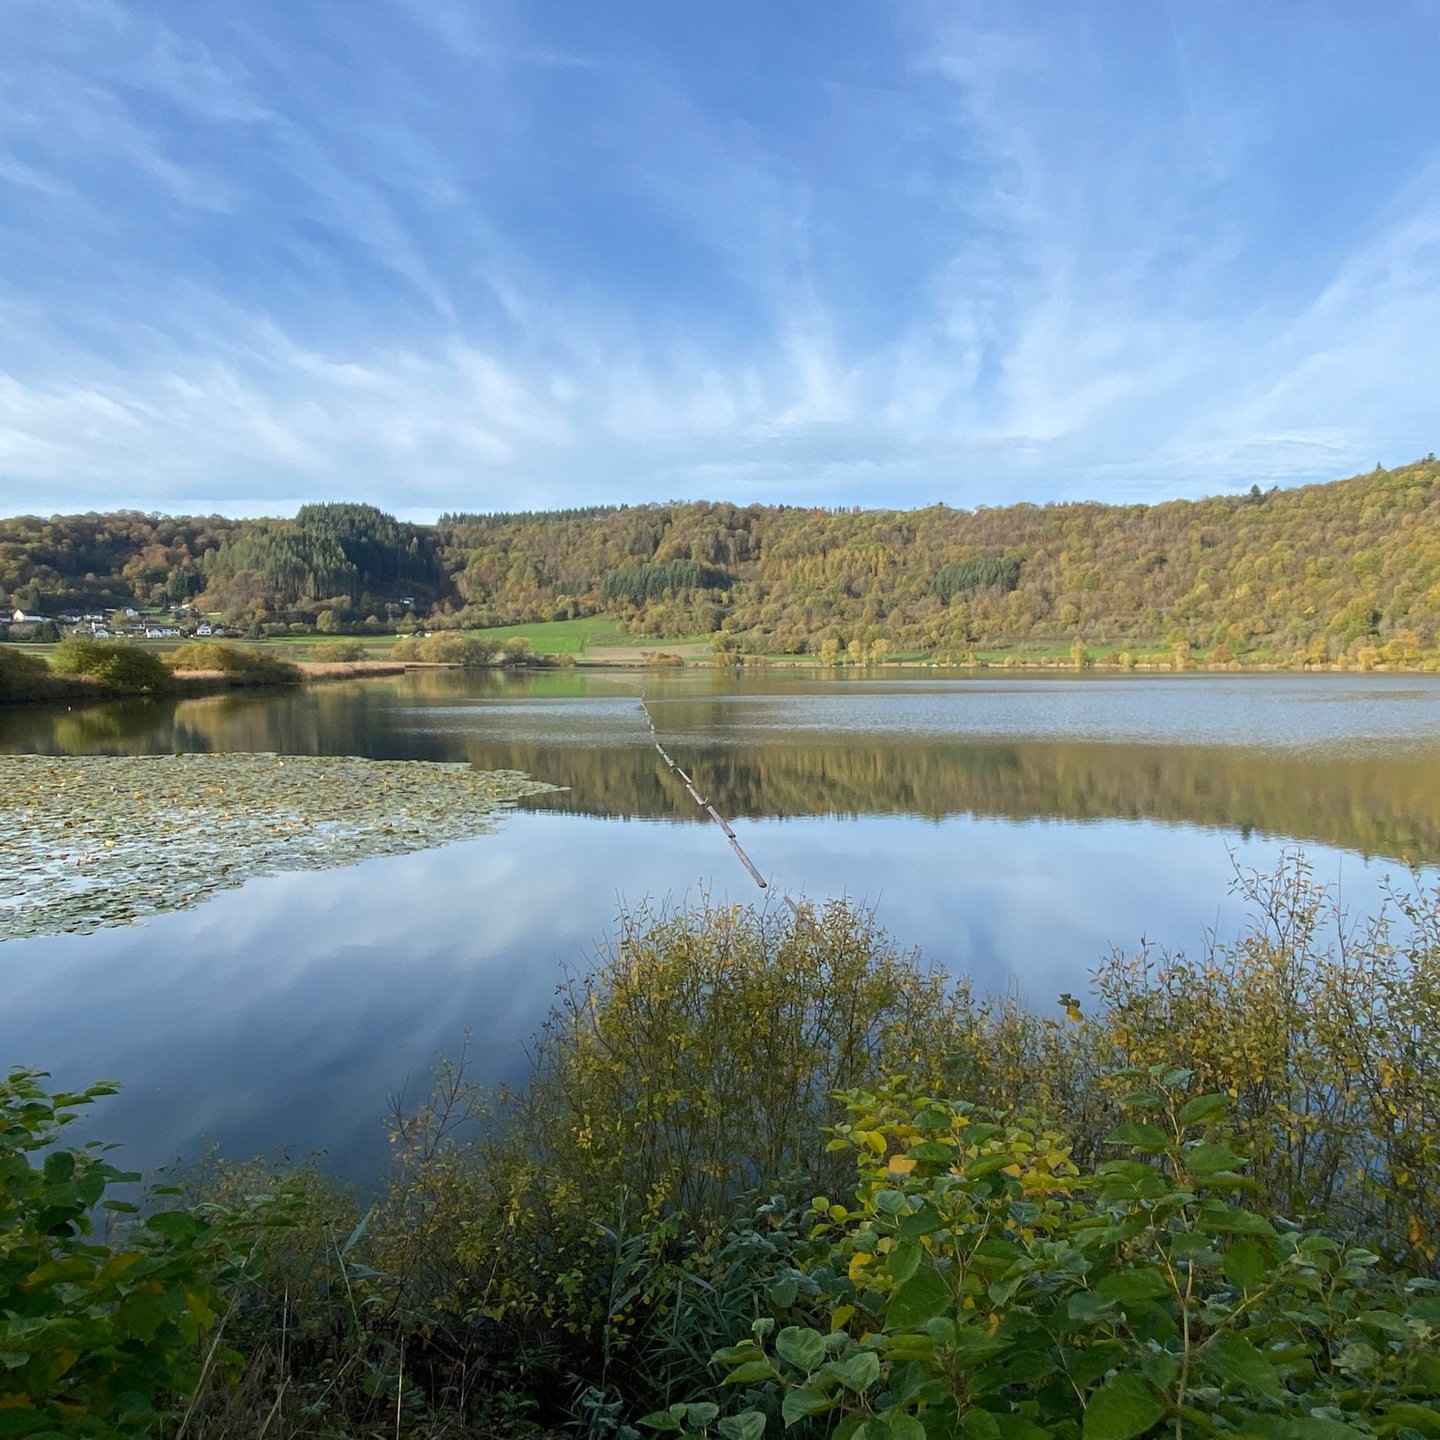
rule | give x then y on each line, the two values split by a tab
1324	570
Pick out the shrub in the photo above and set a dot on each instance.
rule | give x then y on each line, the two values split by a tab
700	1058
339	650
115	665
97	1338
447	649
243	664
1312	1022
23	677
695	1063
978	1284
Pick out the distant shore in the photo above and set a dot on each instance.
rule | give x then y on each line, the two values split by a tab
189	684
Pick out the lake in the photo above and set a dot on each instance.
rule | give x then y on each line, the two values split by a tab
1015	829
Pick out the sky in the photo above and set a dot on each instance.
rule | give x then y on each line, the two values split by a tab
449	255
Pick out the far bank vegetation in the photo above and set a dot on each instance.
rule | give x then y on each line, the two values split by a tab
1346	573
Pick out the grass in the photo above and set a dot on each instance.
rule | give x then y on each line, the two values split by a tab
567	637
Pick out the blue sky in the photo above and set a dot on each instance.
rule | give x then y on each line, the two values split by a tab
446	254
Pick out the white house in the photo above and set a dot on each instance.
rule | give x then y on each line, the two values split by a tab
21	618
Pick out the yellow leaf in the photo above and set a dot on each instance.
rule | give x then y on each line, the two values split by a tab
858	1262
901	1164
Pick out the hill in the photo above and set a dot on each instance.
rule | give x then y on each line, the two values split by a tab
1343	569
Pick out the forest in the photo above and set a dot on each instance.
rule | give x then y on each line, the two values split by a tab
1344	570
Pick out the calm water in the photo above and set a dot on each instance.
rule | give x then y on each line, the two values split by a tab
1014	829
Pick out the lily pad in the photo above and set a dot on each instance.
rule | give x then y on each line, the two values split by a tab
88	841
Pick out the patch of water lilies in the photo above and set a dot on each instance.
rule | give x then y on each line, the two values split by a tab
93	840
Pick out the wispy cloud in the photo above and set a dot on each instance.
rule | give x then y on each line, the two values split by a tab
454	255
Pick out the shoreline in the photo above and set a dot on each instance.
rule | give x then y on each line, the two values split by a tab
198	683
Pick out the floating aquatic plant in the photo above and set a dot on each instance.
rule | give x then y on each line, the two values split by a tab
93	840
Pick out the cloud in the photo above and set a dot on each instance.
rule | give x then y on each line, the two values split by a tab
457	255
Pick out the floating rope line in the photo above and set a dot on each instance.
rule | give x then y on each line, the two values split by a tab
709	809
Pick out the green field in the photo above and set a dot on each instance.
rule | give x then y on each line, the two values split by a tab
582	637
563	637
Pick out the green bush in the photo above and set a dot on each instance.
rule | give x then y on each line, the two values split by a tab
694	1064
116	665
1309	1020
700	1058
98	1337
24	677
337	651
979	1285
242	663
446	649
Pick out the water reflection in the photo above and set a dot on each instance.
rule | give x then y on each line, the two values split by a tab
285	1014
1015	832
1344	761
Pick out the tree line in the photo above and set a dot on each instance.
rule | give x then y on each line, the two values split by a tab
1345	569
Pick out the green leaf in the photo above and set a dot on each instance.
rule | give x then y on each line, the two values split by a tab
701	1413
1357	1357
922	1222
1417	1417
1144	1282
902	1425
175	1225
22	1422
904	1260
932	1150
1245	1265
1085	1307
1087	1366
1139	1135
1213	1159
732	1354
782	1293
858	1373
1216	1217
1017	1427
747	1425
987	1165
980	1425
801	1347
923	1296
799	1403
1121	1408
1313	1427
662	1420
1200	1108
1233	1358
751	1372
1160	1368
59	1167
